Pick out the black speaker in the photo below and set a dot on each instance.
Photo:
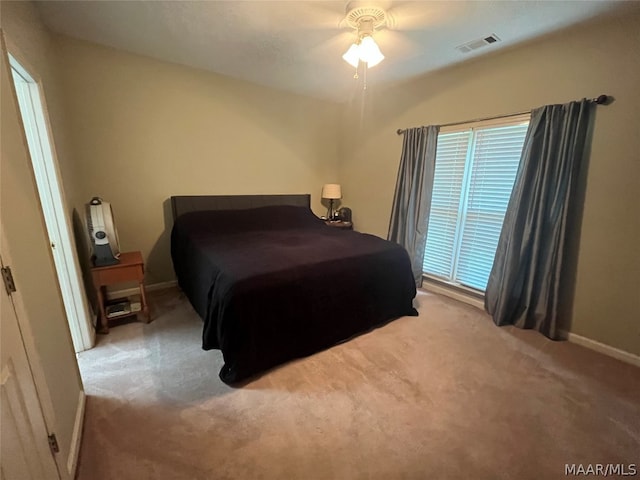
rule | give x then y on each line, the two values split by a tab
344	214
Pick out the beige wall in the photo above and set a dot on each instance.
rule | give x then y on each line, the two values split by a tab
602	57
30	43
25	232
145	130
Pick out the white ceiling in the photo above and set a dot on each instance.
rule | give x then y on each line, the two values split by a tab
297	45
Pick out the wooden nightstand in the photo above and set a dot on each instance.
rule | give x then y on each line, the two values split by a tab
130	269
340	224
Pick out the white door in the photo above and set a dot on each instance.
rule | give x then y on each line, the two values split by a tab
24	445
39	142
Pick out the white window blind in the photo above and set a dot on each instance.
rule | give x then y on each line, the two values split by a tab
474	174
451	158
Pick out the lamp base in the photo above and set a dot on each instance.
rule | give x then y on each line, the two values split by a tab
330	210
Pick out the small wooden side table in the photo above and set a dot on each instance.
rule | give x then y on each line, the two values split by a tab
340	224
130	269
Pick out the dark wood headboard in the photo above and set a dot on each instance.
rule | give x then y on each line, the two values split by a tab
192	203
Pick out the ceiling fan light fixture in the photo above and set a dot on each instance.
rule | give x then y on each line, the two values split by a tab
365	20
366	51
352	56
370	52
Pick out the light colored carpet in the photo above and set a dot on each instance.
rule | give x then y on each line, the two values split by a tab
443	395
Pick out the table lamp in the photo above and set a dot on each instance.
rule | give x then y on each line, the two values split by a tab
331	191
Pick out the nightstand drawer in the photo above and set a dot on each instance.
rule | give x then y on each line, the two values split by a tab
122	274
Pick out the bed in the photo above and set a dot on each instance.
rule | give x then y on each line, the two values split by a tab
272	282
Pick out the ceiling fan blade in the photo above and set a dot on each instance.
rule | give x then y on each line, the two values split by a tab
396	44
335	45
412	15
326	16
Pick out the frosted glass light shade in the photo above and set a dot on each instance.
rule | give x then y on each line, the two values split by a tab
351	56
366	50
331	191
369	52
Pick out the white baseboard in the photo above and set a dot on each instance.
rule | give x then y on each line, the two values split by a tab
134	290
626	357
616	353
76	437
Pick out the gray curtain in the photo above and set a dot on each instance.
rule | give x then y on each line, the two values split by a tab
412	198
524	287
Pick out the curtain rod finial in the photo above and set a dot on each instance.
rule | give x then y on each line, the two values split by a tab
400	131
602	99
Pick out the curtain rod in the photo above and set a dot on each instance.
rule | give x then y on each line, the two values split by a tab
600	100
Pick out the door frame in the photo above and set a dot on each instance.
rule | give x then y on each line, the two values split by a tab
66	459
31	100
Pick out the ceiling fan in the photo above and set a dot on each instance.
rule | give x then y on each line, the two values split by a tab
365	49
380	37
363	30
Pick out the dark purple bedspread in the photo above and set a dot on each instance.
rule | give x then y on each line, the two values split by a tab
276	283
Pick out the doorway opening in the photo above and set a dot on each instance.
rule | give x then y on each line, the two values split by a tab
39	141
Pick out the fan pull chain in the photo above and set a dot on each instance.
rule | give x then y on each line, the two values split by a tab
366	67
355	75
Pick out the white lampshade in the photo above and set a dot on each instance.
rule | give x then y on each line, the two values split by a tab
352	56
331	191
369	51
366	50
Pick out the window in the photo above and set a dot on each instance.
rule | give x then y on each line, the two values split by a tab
475	170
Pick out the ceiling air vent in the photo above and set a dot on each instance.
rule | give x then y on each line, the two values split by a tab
476	44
